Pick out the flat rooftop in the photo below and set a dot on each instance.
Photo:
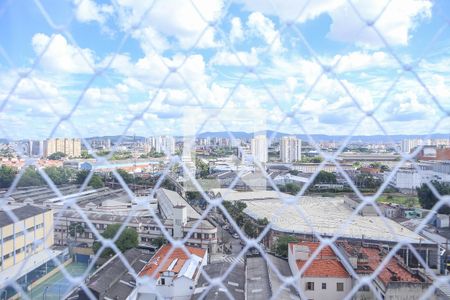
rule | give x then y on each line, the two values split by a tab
326	215
232	195
22	213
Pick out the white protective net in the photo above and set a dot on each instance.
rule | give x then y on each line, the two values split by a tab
193	76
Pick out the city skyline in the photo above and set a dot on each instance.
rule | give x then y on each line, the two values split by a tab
213	149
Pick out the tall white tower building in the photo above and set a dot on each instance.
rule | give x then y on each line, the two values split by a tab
164	144
259	148
290	149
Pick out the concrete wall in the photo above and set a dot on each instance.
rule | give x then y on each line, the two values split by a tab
406	291
330	292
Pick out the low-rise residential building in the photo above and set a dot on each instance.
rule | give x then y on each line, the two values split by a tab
173	272
324	277
394	281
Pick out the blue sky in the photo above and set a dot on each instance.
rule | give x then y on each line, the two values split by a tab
166	71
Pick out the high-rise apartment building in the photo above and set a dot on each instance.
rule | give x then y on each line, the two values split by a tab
259	148
70	147
290	149
164	144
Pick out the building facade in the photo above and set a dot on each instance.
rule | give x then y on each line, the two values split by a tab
163	144
32	232
290	149
325	277
176	274
69	146
259	148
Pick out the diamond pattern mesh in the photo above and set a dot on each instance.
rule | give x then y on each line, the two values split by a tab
221	116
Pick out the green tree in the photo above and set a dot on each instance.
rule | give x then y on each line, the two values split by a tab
76	229
427	199
250	229
159	241
202	168
56	156
127	177
236	210
128	239
294	172
290	188
96	180
262	222
86	155
81	176
368	181
385	168
281	246
325	177
30	177
60	175
7	175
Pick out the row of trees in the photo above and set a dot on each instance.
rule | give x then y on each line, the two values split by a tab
152	154
252	228
59	175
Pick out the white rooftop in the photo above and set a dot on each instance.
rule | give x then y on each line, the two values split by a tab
232	195
326	216
175	199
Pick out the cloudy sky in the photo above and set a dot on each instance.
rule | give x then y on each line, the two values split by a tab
70	68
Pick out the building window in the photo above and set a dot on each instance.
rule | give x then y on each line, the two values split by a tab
324	286
163	281
340	286
310	286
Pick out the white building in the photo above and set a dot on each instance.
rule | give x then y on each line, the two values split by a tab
259	148
164	144
409	178
407	145
175	274
325	277
290	149
283	179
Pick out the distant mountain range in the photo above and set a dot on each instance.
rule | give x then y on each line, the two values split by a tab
269	133
115	138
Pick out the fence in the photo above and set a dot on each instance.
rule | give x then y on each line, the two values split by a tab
69	90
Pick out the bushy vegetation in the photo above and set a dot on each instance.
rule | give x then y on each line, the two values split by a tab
128	239
325	177
289	188
56	156
281	246
427	199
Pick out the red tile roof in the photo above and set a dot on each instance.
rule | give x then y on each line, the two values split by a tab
325	264
393	271
162	256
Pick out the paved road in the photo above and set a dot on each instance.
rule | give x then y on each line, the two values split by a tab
257	279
